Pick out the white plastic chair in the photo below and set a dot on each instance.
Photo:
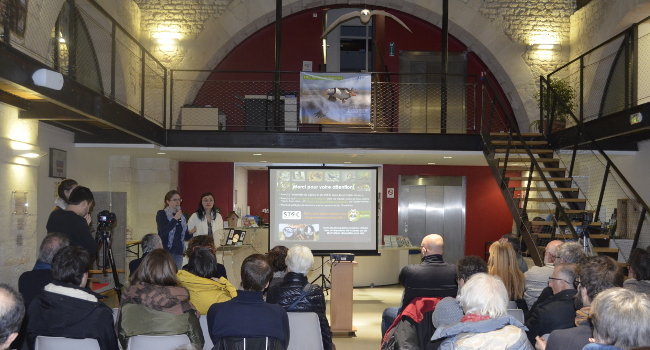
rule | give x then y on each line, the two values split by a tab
203	320
304	331
157	342
60	343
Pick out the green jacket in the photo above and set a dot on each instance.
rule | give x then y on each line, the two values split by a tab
140	320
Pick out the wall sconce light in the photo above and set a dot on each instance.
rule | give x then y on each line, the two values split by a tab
545	47
167	37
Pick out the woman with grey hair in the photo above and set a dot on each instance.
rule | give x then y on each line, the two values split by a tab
149	242
621	320
486	324
295	294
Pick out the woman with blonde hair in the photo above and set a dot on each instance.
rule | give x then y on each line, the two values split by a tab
503	263
155	303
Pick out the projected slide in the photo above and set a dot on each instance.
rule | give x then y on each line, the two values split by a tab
326	209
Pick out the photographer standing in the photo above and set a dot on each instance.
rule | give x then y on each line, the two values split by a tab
75	219
172	227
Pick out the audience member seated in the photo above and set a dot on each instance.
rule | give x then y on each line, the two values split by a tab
567	253
621	320
154	303
517	246
75	219
557	311
12	310
31	283
206	242
486	324
149	242
65	308
639	271
537	276
594	275
276	258
503	263
448	310
295	294
247	315
431	278
199	276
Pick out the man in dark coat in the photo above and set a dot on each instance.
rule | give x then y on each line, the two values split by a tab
247	315
557	311
74	220
431	278
66	309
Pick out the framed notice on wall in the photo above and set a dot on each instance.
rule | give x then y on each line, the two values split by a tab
58	163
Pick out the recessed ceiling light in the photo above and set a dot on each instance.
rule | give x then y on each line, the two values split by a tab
263	161
347	162
447	157
257	154
161	153
431	163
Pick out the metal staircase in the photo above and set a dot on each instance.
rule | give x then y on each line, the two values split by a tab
540	188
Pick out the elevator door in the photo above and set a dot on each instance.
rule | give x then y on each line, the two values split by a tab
434	204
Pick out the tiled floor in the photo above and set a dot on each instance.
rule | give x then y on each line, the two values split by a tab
368	306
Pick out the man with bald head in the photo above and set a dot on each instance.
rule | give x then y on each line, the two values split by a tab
431	278
537	276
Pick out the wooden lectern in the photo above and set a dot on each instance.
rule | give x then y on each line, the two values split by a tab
341	298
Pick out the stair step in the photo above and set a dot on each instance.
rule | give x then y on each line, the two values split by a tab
561	223
605	250
540	179
525	168
523	151
524	134
569	236
517	143
527	160
551	211
556	189
563	200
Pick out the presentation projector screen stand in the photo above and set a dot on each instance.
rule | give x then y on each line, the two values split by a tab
325	283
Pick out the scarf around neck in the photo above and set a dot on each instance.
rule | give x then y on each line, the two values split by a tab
172	232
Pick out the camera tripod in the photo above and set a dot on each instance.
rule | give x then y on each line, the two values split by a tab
107	259
325	283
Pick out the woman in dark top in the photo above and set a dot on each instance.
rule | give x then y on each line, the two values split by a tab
172	227
295	294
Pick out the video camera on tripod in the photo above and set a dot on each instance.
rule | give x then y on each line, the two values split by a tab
105	222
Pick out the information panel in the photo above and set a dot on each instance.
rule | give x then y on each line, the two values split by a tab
326	209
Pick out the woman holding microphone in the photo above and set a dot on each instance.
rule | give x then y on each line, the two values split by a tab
172	227
207	220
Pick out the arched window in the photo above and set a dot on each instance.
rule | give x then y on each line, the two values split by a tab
71	50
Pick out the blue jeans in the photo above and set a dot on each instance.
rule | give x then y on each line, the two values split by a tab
387	317
178	260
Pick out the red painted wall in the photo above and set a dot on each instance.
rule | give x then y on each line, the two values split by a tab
195	178
487	216
258	192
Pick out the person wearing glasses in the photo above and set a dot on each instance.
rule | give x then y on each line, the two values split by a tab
557	311
172	227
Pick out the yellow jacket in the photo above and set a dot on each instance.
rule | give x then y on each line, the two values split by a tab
204	291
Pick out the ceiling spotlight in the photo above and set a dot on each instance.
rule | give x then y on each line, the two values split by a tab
347	162
257	154
263	161
161	153
431	163
447	157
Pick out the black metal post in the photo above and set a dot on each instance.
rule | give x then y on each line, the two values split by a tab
530	178
639	226
171	103
444	66
72	40
582	89
142	77
113	57
278	65
164	105
602	192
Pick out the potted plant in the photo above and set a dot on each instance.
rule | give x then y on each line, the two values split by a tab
560	104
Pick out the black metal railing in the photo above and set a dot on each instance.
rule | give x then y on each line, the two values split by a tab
243	100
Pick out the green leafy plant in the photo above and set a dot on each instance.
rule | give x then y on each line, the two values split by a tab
560	102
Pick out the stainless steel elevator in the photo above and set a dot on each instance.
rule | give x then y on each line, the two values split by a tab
433	204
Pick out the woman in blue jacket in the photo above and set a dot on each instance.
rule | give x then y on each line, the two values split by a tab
172	227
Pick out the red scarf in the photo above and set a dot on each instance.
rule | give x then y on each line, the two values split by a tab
474	318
